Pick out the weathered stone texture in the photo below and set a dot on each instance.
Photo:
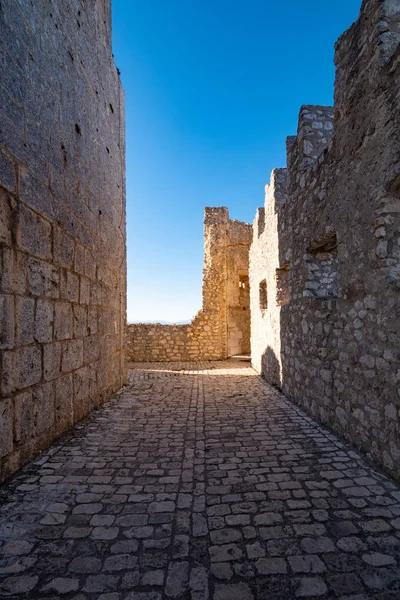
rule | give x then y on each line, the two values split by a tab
327	245
221	328
62	221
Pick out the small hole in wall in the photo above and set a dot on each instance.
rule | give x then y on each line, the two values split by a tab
282	285
78	129
322	268
338	114
99	212
107	150
263	296
111	108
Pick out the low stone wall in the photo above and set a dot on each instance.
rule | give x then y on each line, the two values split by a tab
168	343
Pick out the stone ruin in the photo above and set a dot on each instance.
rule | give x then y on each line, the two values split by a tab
326	246
221	328
312	289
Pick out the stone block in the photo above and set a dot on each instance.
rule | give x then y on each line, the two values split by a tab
91	349
63	248
71	355
8	177
44	319
80	321
63	323
51	360
90	265
7	206
34	235
43	400
6	321
63	405
6	427
79	262
12	271
81	385
23	417
43	279
28	366
84	291
69	286
25	320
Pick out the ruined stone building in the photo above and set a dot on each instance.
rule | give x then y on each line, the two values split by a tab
312	289
325	257
62	221
221	328
324	262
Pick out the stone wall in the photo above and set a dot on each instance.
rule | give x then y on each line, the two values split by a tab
329	238
222	325
62	221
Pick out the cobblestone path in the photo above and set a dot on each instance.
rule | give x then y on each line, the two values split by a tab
199	482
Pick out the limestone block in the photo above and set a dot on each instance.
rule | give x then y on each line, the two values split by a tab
6	427
23	416
27	365
7	205
44	319
51	360
71	355
69	286
63	404
63	248
43	399
34	233
25	320
6	321
43	278
63	324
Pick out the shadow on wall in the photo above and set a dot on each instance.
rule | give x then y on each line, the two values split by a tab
325	258
271	368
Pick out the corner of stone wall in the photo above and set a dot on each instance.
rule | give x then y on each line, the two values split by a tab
259	224
216	214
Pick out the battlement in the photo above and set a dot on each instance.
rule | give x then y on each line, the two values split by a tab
324	262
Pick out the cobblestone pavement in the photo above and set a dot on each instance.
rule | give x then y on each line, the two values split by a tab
199	482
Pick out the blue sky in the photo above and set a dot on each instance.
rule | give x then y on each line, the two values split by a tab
213	87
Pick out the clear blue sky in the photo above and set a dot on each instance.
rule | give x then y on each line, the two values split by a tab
213	87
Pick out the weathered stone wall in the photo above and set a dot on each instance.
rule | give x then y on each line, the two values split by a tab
332	222
62	221
222	325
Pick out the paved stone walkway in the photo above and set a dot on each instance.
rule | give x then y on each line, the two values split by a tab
199	482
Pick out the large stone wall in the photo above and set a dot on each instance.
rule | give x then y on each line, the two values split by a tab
327	244
222	325
62	221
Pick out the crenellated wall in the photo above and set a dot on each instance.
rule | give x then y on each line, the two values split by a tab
327	243
62	221
221	328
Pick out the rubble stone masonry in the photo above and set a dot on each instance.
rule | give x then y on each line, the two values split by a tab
325	258
62	221
221	328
